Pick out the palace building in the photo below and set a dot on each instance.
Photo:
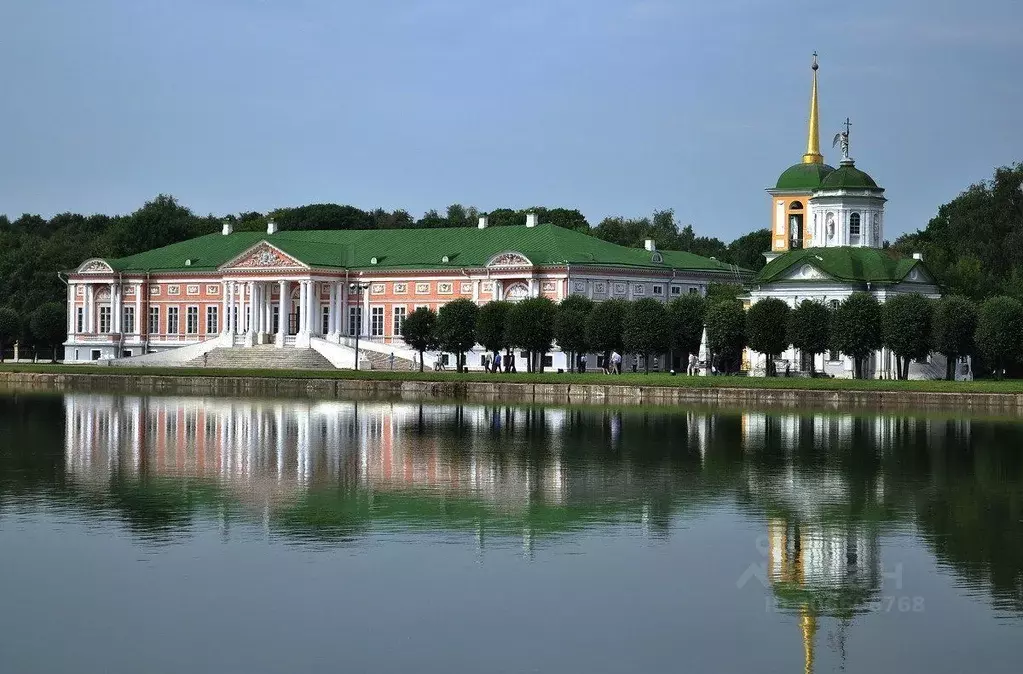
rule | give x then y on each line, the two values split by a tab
827	238
317	290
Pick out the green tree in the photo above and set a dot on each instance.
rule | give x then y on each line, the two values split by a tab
906	329
10	327
686	317
953	328
490	326
723	292
766	321
748	250
530	326
647	329
605	325
570	326
456	328
856	329
419	330
726	333
322	216
999	334
809	328
49	325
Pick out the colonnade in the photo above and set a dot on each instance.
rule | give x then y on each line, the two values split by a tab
90	314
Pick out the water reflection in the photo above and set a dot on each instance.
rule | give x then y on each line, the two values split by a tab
823	489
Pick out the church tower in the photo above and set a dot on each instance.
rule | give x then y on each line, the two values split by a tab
790	197
848	207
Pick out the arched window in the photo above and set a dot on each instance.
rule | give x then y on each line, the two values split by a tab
796	206
854	224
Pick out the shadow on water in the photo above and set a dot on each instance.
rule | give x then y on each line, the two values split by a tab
825	488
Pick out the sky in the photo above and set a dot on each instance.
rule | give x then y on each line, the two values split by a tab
614	107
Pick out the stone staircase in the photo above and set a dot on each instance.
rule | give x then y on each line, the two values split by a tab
264	357
382	361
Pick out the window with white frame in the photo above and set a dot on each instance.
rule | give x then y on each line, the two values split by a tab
212	320
676	290
128	320
172	320
693	291
104	320
400	312
80	319
325	321
192	320
154	320
376	321
658	290
354	320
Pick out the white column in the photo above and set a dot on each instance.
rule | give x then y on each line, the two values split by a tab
261	293
113	307
225	308
332	316
303	306
532	287
282	312
268	303
90	308
138	309
476	291
498	291
344	309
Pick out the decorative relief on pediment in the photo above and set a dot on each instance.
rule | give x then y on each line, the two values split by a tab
400	288
620	288
509	260
192	289
422	288
445	288
465	288
809	272
377	289
548	286
600	288
103	294
580	286
638	289
488	286
266	257
96	267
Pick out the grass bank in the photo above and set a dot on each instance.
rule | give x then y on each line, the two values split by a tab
638	380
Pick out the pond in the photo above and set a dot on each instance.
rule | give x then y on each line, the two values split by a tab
170	534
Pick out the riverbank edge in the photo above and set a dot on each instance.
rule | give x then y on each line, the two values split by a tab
499	391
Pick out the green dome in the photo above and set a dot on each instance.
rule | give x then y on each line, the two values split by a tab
805	177
847	176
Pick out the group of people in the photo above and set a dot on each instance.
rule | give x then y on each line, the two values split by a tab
498	363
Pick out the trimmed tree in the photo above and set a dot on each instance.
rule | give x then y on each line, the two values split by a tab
809	328
570	326
647	329
419	330
999	334
856	329
686	316
726	333
456	328
605	325
490	326
765	328
49	325
530	325
953	328
9	328
906	329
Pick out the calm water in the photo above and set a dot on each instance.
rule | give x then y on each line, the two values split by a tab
208	534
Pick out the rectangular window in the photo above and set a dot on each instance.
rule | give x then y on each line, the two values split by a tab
275	318
376	321
154	320
834	356
399	319
212	320
354	320
693	291
128	320
192	320
676	290
658	290
172	320
104	319
325	321
80	319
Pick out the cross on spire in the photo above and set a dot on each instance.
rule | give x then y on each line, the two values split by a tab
847	125
814	66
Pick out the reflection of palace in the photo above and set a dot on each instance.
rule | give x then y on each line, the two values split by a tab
295	444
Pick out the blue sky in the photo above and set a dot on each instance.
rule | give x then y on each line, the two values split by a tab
615	107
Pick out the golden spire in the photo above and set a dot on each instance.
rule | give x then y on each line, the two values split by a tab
813	140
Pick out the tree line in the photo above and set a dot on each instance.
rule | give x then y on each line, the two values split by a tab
910	325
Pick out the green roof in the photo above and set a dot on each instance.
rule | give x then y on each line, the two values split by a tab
847	176
803	177
845	263
414	249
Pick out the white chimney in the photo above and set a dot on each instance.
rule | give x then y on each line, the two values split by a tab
649	245
918	256
530	219
228	227
483	222
271	227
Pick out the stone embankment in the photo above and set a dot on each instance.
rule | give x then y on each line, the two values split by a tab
510	392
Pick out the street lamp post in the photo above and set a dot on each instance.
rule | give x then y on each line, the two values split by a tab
358	289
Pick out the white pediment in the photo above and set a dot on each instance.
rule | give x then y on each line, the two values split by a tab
806	272
95	266
264	256
509	259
